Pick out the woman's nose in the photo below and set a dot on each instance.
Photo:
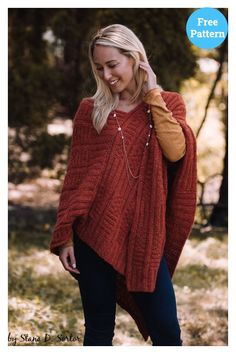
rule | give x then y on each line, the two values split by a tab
106	74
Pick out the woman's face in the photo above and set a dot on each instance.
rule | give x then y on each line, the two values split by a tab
114	68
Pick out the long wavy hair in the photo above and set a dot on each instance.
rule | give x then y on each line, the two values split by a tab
128	44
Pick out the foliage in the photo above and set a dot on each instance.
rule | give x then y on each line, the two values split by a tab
46	147
31	151
49	70
43	71
30	75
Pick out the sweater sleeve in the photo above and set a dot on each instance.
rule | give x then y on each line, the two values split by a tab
67	244
167	129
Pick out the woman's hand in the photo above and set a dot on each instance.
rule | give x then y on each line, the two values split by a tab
67	259
151	82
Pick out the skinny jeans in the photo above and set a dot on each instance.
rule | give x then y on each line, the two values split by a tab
97	284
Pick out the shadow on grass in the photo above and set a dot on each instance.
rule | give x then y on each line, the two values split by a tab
218	233
200	277
23	241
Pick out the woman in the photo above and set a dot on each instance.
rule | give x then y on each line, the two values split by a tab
128	200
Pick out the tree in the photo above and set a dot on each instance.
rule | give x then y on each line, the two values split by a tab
40	77
49	70
219	216
30	74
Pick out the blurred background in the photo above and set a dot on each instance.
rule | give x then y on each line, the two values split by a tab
49	73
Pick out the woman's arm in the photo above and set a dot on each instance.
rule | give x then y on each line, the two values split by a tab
67	244
167	129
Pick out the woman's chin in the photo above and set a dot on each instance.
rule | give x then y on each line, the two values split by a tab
116	88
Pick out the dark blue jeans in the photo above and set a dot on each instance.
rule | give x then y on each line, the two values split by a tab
97	288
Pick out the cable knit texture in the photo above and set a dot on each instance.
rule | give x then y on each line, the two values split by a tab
129	222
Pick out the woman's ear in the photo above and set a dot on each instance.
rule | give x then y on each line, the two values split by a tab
132	61
135	65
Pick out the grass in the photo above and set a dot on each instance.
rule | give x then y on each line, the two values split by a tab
44	300
200	277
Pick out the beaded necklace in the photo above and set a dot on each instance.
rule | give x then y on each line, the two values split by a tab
123	140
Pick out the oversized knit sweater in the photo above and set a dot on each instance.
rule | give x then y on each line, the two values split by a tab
129	222
167	129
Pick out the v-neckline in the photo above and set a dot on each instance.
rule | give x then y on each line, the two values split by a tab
131	111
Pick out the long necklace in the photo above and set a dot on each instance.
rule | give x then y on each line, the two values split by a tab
123	140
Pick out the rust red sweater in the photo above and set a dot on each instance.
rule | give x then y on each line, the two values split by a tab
129	223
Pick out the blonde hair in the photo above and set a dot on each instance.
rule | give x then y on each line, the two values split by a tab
128	44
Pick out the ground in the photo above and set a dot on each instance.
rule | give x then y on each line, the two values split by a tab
44	300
